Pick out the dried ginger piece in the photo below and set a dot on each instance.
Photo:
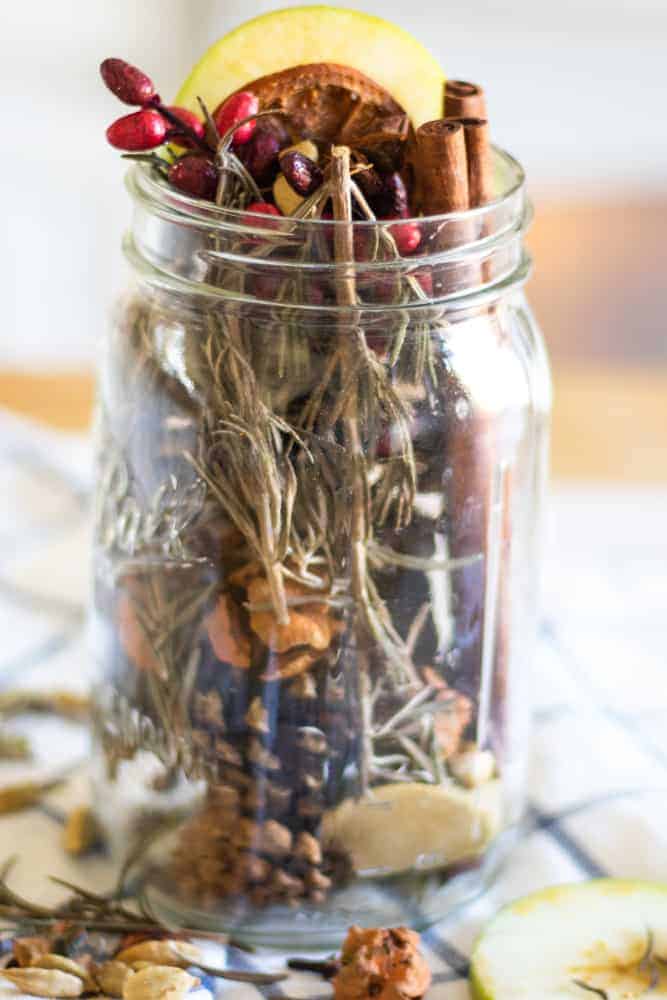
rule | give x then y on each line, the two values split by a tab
310	624
286	665
451	720
382	963
230	643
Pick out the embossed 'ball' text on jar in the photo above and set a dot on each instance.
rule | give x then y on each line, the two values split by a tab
318	520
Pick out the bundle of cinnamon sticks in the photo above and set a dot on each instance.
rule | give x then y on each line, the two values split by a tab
454	163
454	153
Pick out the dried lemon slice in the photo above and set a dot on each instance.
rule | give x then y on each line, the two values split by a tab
413	825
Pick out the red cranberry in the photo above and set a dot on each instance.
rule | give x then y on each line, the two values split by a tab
196	176
425	279
371	183
188	118
260	215
362	240
380	288
301	173
260	208
127	82
139	131
314	293
266	286
384	445
408	236
260	154
235	109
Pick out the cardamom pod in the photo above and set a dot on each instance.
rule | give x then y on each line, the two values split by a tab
111	977
14	746
176	953
64	964
81	831
13	798
28	950
158	982
44	982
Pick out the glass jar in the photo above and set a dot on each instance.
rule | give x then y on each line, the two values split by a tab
317	548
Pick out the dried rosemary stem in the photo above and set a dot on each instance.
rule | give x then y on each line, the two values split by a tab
346	296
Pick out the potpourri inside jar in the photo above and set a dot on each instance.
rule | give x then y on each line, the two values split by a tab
323	415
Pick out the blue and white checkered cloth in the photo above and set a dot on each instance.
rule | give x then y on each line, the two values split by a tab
598	802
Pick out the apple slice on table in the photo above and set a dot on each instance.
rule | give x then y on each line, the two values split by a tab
605	938
385	65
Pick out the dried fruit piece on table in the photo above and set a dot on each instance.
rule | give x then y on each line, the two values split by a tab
166	952
310	623
81	831
44	982
225	632
383	963
158	983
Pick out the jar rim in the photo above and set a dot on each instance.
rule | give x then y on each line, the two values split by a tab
193	246
144	185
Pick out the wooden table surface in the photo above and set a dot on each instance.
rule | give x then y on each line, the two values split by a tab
609	424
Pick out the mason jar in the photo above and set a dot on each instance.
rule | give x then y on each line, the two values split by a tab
320	487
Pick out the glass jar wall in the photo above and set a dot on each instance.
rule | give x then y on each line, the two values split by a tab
316	558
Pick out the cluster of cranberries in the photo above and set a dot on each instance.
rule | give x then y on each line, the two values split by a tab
156	123
258	143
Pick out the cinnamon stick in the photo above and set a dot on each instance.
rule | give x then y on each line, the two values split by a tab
479	159
443	171
464	100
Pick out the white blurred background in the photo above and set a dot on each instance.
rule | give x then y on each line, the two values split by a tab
576	90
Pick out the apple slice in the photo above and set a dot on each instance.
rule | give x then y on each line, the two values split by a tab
302	36
605	938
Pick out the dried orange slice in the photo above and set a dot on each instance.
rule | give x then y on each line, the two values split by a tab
328	102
